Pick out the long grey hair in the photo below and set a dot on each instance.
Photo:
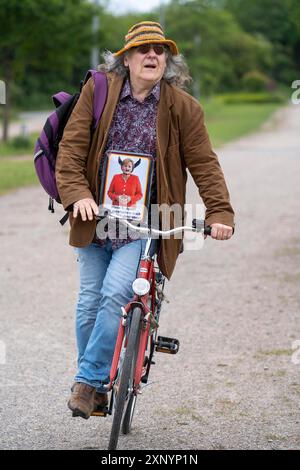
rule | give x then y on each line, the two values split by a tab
176	72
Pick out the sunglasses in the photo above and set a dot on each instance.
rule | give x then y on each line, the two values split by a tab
145	48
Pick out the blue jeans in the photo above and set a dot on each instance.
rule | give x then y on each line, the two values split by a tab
106	278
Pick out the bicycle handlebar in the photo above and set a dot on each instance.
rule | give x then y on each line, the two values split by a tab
198	225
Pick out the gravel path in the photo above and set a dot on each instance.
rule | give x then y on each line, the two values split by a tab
235	383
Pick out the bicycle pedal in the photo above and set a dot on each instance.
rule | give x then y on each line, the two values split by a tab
103	412
167	345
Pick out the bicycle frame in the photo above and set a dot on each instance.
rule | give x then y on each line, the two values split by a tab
146	271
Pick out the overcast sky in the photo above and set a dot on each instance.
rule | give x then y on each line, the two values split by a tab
122	6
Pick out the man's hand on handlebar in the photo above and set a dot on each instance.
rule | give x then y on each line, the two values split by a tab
220	232
87	208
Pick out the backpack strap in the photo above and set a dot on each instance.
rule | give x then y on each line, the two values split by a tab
100	96
60	98
64	219
100	93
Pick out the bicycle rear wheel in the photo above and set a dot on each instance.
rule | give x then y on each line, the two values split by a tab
126	381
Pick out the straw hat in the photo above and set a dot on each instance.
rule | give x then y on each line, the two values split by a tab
146	32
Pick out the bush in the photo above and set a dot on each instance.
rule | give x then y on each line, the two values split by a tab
255	81
21	142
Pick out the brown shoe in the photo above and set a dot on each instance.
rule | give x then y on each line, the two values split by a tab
82	400
100	401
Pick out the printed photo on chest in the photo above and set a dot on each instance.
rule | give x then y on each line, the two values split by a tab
125	185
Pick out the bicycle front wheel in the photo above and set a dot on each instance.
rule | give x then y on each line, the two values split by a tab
126	379
128	416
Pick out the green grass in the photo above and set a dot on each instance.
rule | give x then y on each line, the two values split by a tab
10	149
225	122
15	174
274	352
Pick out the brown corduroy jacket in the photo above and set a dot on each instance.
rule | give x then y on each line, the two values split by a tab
182	143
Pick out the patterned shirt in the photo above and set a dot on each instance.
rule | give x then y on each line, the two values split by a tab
133	129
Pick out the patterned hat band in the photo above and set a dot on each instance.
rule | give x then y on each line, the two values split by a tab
146	32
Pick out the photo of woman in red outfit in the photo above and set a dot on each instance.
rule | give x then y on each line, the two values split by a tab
125	188
126	193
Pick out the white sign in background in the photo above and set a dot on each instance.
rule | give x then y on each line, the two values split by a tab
2	92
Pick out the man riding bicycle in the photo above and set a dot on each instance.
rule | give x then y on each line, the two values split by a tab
147	112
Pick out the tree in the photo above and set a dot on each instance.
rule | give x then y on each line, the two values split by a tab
279	22
215	46
42	35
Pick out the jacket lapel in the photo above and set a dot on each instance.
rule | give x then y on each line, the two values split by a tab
114	88
163	119
115	83
162	139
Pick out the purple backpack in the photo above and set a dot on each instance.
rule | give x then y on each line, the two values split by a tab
46	147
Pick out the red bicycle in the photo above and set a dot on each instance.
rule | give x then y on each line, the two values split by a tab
137	338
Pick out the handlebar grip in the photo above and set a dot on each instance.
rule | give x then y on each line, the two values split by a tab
207	230
199	225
